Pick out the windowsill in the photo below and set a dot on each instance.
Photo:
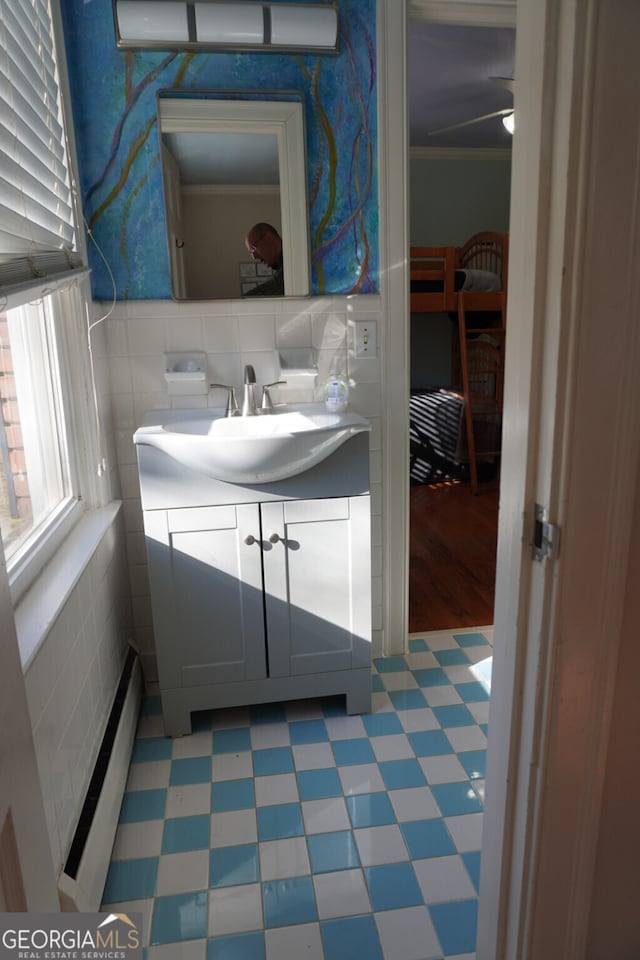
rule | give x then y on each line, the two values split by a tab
39	608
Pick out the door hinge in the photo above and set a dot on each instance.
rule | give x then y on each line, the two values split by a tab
546	536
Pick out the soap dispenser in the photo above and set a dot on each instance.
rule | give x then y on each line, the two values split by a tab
336	393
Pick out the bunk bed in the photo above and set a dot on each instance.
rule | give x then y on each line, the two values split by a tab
456	430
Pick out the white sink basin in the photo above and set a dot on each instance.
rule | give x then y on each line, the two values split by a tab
258	449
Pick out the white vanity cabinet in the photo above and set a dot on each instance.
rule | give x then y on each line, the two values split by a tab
267	599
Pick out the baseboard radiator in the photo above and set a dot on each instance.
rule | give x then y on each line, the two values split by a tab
83	877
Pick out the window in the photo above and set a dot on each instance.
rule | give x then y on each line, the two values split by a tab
45	437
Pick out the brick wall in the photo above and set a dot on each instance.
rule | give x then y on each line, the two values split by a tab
15	502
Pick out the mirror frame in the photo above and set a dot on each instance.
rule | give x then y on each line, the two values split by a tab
283	119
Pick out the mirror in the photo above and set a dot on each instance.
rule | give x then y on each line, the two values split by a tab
227	165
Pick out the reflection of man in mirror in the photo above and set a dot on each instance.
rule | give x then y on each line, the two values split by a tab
264	245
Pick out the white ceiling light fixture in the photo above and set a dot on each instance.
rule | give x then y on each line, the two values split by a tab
215	25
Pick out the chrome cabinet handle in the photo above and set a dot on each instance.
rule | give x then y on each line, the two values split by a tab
250	540
274	538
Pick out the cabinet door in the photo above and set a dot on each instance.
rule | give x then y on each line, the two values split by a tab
207	597
317	578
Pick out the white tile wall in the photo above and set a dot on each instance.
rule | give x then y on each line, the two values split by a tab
232	334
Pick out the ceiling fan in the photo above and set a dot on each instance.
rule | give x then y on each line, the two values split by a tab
507	113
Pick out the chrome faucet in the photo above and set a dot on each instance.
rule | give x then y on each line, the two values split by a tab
249	402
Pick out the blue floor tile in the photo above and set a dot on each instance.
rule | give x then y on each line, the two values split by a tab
455	799
332	851
407	699
139	805
377	686
456	925
370	810
390	665
475	763
232	741
454	715
429	743
186	833
352	938
190	770
392	886
319	784
286	902
431	677
473	691
308	731
470	639
148	749
231	866
418	645
280	821
240	946
182	916
382	724
450	658
131	879
350	752
471	860
272	761
401	774
427	838
232	795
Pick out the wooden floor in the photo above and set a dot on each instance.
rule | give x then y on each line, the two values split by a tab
452	556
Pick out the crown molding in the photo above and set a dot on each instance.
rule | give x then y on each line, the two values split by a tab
469	13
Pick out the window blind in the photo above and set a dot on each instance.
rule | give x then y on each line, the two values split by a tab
37	230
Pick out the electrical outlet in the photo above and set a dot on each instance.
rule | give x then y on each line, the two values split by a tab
364	338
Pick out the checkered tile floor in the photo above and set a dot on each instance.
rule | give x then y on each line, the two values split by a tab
292	830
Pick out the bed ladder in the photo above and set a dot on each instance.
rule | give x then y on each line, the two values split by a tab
481	351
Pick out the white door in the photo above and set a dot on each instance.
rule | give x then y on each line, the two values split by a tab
27	880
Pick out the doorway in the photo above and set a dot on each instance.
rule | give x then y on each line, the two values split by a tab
459	186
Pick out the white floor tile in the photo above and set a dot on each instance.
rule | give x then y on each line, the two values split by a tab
414	803
441	696
188	800
345	728
461	673
149	776
198	744
151	725
325	816
312	756
135	840
479	654
443	878
442	641
235	910
466	738
143	907
265	735
478	786
187	950
231	766
378	845
233	827
393	746
415	720
183	872
399	681
380	703
361	778
280	859
341	894
443	769
407	934
466	831
280	788
421	661
292	943
479	711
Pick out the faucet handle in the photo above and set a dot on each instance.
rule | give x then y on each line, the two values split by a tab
232	401
267	404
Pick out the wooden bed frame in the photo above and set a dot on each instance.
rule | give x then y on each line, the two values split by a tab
480	364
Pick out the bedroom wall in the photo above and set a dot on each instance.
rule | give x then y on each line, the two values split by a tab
451	198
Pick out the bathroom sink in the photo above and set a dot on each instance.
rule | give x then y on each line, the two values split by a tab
260	449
